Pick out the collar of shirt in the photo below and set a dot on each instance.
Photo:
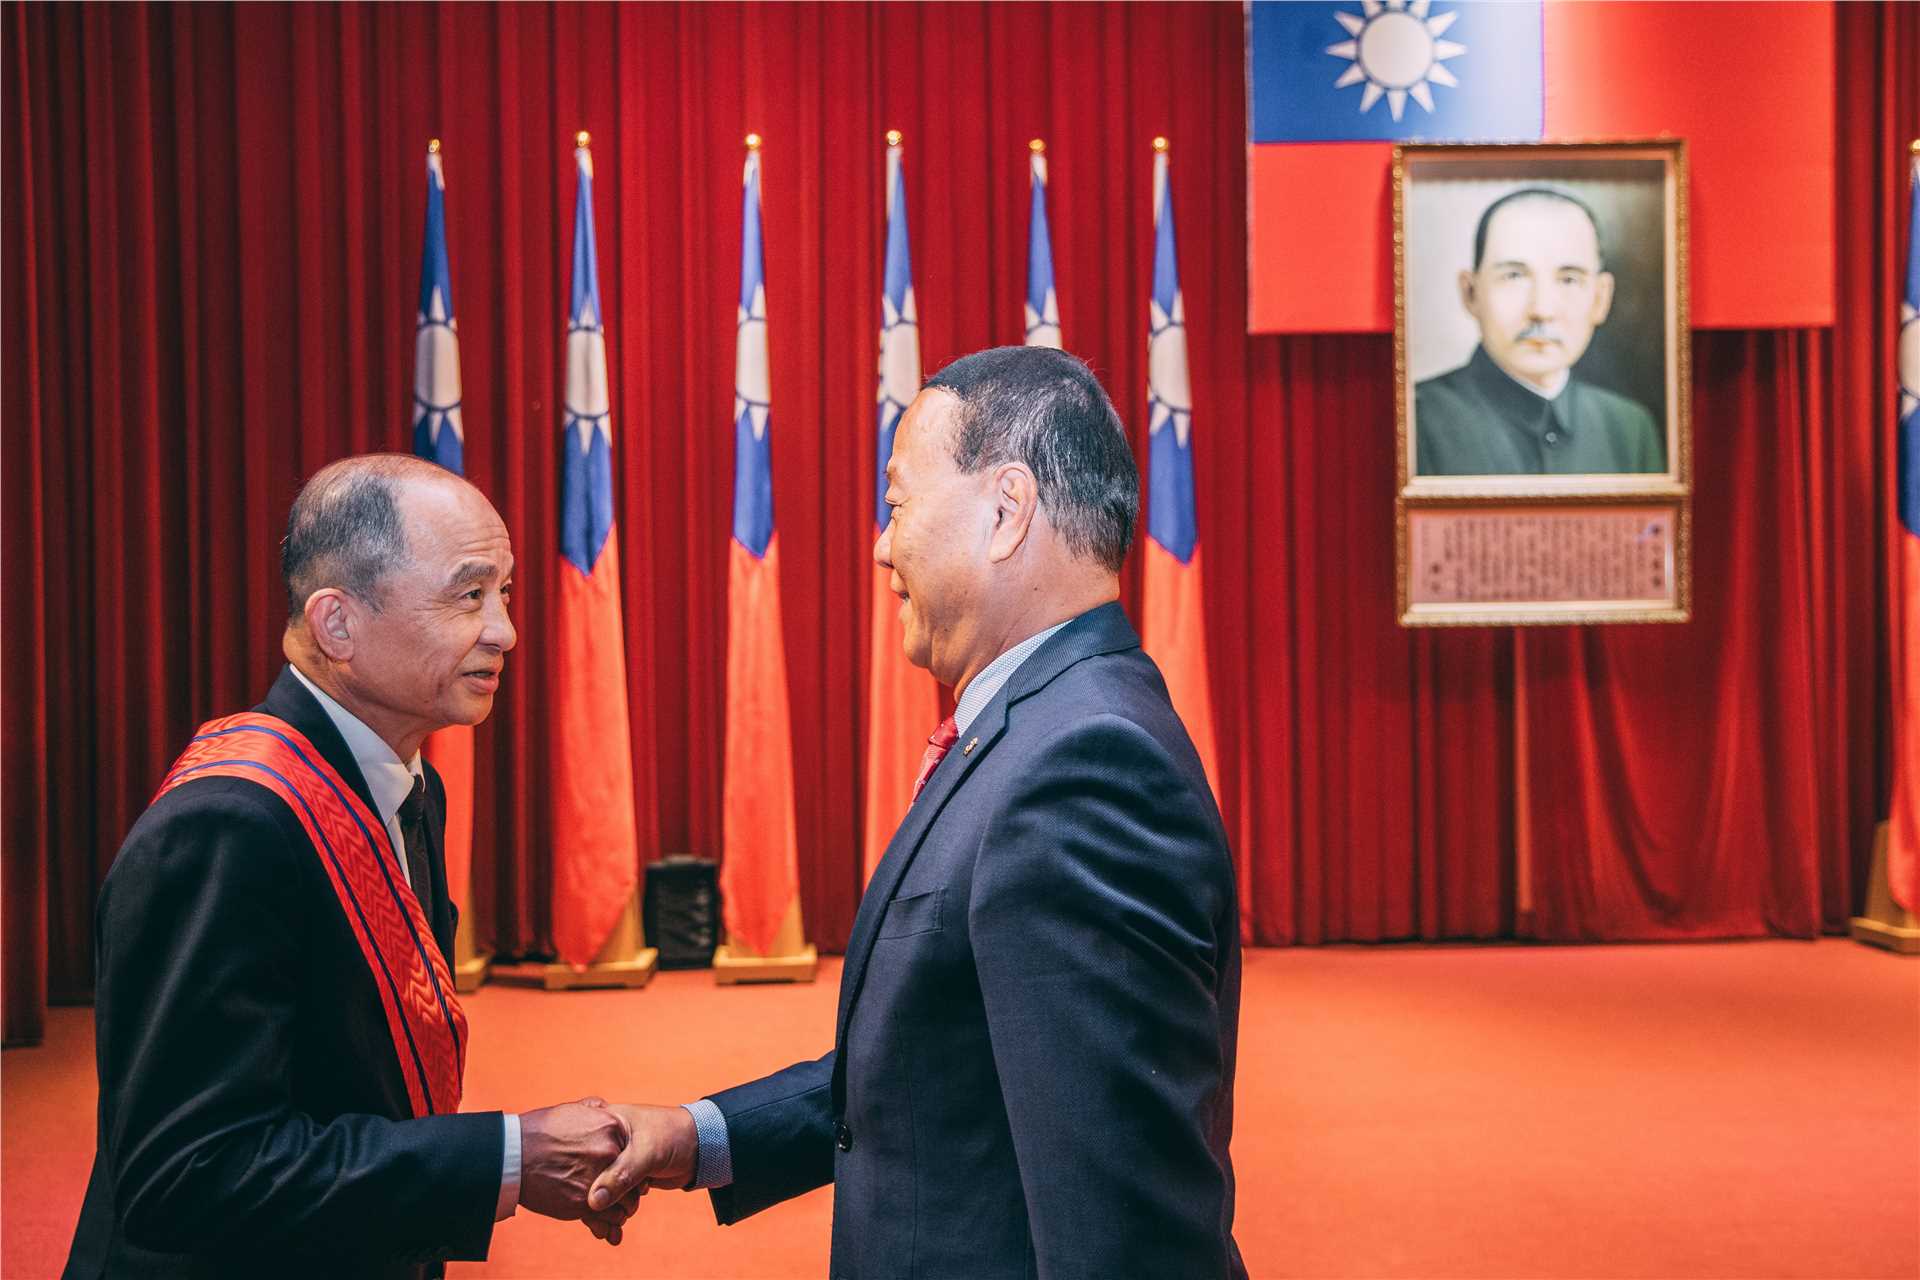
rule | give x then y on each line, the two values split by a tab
980	690
387	778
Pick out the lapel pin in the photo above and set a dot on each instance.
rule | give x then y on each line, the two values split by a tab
971	744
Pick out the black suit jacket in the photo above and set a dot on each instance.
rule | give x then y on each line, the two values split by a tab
1033	1070
253	1120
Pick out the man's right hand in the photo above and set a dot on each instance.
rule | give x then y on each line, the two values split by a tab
562	1149
662	1150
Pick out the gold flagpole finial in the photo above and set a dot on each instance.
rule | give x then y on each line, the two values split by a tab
1913	148
433	146
582	139
893	137
1037	146
1161	145
753	142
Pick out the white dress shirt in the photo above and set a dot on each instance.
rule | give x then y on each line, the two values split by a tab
391	781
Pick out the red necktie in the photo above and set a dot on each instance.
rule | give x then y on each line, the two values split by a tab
937	747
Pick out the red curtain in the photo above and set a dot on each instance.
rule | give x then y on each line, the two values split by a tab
213	220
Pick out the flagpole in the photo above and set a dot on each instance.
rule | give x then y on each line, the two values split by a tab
760	859
1885	921
594	838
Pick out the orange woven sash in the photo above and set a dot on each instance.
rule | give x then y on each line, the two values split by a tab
428	1026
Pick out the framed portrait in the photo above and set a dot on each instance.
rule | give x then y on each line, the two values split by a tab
1541	361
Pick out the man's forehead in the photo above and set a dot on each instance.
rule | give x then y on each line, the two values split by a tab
1541	223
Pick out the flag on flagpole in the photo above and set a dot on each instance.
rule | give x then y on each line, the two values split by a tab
1043	304
1903	843
595	849
1174	630
902	701
760	866
439	437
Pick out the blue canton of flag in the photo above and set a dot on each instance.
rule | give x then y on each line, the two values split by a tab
752	384
586	441
1170	510
1043	304
1909	365
437	432
1396	71
899	333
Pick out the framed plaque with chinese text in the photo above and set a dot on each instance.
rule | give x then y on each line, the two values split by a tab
1541	377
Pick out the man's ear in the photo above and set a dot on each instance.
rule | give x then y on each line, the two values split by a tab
1466	292
1016	499
331	616
1602	297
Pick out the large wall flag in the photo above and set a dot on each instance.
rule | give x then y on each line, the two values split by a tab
1903	844
1043	304
760	867
1353	77
902	701
1174	628
595	850
439	436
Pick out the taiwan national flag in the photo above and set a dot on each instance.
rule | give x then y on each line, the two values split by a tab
1903	844
1174	630
1332	85
1043	303
903	702
760	867
595	850
439	436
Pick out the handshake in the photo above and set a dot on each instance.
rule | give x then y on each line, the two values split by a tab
592	1160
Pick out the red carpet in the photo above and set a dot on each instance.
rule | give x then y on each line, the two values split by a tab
1727	1110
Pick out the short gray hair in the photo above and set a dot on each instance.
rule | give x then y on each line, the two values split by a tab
345	529
1044	408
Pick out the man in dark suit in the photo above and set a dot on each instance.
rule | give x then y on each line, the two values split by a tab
1033	1068
278	1047
1538	289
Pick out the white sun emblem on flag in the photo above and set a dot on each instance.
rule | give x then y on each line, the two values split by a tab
1909	361
1397	51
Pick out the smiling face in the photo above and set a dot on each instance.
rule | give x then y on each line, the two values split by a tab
936	544
432	653
1538	292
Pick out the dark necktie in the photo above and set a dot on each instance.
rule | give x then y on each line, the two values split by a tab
937	747
413	831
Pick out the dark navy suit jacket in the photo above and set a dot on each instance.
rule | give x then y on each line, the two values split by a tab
253	1119
1033	1069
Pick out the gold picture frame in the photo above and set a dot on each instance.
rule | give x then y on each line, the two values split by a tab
1553	368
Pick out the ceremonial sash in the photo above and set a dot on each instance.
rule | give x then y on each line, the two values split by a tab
428	1026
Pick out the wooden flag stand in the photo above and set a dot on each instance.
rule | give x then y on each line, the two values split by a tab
624	961
470	966
791	958
1886	923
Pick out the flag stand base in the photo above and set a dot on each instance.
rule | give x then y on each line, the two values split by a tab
1886	923
470	967
624	961
790	959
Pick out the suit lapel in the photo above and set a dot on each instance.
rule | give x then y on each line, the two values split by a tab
1101	630
433	896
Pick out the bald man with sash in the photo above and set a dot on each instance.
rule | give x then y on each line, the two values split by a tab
279	1044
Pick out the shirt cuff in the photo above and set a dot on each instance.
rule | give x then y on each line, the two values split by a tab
509	1168
713	1167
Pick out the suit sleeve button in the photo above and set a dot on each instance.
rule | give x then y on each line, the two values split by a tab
843	1137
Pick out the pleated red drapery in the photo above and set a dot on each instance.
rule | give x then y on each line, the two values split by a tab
211	222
